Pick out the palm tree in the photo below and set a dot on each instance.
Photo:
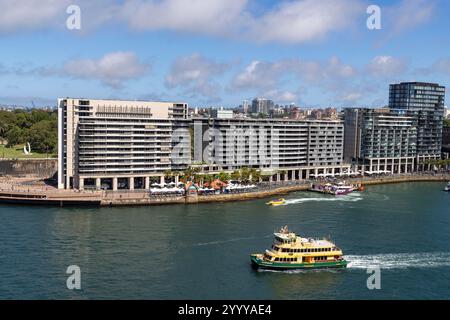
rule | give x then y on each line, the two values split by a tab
245	174
223	176
236	175
255	175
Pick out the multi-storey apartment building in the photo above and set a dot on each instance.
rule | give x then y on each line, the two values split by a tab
119	144
300	149
380	140
425	101
262	106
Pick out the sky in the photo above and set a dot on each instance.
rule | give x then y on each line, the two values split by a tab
315	53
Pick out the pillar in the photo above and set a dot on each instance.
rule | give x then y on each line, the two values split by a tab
81	184
147	183
114	184
131	183
177	179
98	183
162	180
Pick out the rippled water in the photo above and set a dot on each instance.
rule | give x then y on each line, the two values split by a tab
202	251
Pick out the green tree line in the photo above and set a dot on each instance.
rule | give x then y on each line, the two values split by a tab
38	127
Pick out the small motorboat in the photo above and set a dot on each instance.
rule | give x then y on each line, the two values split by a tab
278	202
447	188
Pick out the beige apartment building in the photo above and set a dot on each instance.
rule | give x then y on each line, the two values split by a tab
112	144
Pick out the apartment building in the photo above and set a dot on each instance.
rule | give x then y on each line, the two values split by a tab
300	149
114	144
379	140
426	102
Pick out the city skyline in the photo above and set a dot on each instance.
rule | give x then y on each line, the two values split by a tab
337	61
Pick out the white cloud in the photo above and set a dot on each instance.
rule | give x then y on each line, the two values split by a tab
387	66
306	20
112	69
290	21
408	14
266	75
217	17
31	14
281	96
196	74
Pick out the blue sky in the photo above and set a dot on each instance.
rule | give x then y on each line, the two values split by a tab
219	52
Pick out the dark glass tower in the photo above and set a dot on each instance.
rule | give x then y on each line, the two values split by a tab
426	102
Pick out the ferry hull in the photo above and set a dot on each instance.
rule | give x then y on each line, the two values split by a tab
260	264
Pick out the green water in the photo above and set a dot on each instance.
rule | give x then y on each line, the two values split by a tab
202	251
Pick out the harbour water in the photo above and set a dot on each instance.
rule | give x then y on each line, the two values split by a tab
202	251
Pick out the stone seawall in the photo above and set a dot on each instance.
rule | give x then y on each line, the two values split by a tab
30	168
143	201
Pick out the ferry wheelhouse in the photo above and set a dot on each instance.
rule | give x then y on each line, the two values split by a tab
290	251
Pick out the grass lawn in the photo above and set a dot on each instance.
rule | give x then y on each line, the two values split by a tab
17	153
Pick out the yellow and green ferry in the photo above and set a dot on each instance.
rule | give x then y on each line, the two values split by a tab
290	252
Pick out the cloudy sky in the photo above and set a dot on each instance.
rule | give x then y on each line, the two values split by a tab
219	52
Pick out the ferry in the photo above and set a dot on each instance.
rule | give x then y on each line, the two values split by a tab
335	189
290	252
276	203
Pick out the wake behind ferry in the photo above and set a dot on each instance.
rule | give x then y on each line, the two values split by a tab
290	251
447	188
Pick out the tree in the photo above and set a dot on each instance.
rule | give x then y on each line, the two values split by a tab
223	176
42	137
245	174
236	175
208	178
255	175
14	136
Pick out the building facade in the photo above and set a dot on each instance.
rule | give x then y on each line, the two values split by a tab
115	145
426	102
379	140
222	113
262	106
300	149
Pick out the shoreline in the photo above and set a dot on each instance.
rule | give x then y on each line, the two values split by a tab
119	199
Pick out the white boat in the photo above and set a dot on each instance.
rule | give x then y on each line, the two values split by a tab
447	188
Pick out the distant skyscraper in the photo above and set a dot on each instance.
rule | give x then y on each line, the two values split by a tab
245	106
261	105
426	102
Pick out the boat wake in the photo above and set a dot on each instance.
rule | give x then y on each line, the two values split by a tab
400	260
347	198
231	240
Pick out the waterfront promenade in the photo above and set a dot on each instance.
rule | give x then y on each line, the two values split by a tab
25	191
